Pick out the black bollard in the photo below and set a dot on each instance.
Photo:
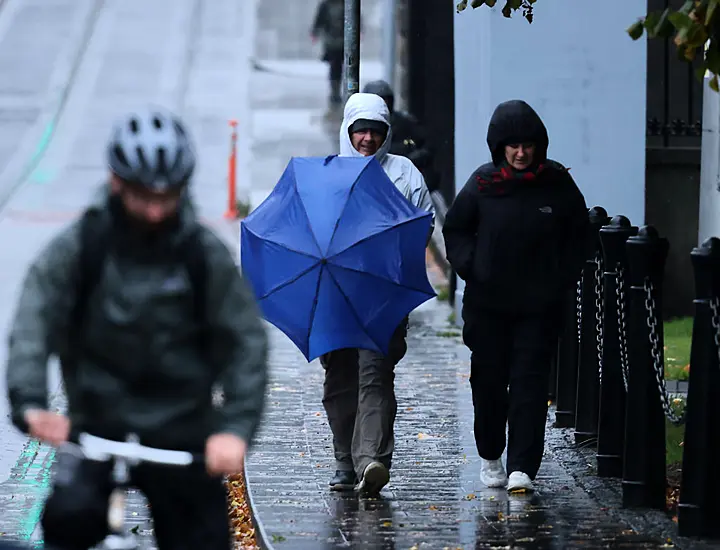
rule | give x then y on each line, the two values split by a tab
567	359
588	388
552	379
699	507
611	421
644	478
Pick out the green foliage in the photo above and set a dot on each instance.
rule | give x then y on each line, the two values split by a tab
694	29
510	6
443	293
678	339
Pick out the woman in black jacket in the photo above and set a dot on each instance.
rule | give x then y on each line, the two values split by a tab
516	234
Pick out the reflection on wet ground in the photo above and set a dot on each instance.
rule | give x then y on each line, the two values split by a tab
494	522
435	498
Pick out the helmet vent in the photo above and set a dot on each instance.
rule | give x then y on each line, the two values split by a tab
162	160
120	154
157	123
134	125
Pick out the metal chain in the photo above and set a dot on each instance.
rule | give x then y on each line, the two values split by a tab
599	301
657	354
715	308
578	302
622	322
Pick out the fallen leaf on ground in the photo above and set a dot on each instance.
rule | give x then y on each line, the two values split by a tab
239	512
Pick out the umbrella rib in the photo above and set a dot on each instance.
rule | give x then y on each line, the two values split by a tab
337	222
352	309
374	235
282	245
314	305
291	281
406	287
310	227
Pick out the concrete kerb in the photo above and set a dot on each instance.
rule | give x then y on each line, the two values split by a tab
261	535
244	147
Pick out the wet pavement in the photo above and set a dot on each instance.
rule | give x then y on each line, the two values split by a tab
435	498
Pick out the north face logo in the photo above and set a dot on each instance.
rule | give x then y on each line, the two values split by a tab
546	209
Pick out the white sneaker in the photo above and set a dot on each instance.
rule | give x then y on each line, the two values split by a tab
520	482
492	473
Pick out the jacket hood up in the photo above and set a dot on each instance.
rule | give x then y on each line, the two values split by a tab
516	122
364	106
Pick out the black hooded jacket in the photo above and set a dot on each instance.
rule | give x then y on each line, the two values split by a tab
517	237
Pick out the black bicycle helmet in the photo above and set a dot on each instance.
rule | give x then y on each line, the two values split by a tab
153	149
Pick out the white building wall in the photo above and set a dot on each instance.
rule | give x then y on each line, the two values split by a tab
576	65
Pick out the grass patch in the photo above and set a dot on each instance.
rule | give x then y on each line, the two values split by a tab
674	436
443	293
242	208
678	337
451	318
449	334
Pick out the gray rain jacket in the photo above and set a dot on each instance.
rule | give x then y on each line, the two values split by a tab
140	367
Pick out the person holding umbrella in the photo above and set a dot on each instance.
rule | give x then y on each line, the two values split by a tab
359	393
515	233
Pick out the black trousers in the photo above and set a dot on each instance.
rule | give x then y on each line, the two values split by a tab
335	62
510	351
189	508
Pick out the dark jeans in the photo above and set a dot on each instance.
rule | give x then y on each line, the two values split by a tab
334	59
512	350
359	399
189	508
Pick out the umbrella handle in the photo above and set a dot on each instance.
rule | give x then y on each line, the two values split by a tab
328	159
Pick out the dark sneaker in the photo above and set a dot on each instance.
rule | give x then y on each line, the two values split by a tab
344	480
375	477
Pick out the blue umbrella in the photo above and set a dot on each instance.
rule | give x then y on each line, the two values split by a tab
336	255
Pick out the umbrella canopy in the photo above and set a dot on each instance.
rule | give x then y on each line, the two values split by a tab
336	255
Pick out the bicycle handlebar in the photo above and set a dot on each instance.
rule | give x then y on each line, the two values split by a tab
102	450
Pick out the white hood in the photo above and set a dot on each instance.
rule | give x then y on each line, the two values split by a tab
401	171
368	107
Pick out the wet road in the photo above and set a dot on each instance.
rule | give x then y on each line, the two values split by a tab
69	67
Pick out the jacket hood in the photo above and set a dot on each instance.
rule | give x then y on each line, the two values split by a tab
364	106
516	122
